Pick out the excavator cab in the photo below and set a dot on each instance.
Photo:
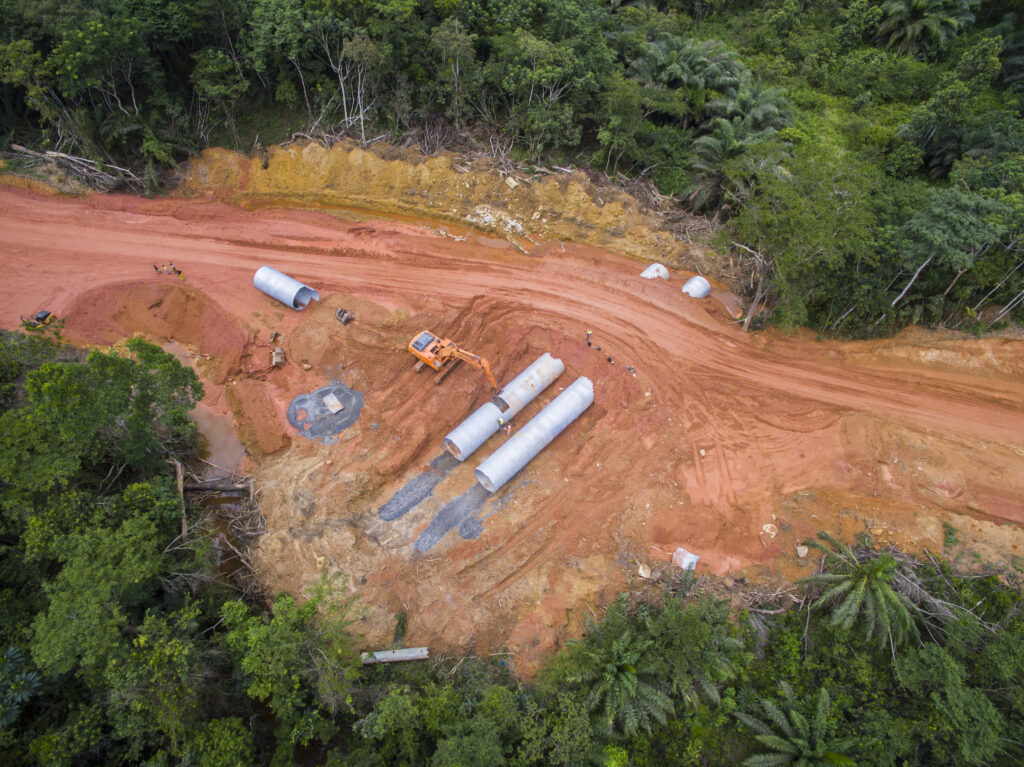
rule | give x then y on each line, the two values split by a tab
424	347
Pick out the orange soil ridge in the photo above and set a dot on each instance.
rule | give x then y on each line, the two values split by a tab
718	434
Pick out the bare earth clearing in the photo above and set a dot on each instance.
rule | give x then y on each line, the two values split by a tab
718	434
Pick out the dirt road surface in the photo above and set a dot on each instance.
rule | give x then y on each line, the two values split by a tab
717	434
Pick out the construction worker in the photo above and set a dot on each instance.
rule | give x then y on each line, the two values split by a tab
156	268
589	334
501	421
508	430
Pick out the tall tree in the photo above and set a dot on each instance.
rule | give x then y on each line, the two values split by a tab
913	26
954	231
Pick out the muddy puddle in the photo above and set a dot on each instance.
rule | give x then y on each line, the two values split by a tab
220	450
220	458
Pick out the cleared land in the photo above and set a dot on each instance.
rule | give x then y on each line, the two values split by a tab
718	433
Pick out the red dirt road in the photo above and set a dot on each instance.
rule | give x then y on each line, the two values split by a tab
717	434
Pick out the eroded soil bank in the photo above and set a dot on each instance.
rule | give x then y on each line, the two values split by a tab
718	434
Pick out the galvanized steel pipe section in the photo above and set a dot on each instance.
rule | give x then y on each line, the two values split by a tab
285	289
517	394
511	457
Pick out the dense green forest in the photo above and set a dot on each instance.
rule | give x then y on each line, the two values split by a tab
123	642
865	158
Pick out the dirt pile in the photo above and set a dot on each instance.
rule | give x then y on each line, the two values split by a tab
715	436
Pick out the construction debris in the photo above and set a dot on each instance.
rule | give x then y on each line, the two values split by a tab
277	357
684	559
332	403
394	656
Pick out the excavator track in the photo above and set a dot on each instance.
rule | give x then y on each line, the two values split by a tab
446	371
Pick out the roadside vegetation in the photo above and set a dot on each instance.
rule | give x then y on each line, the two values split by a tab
123	642
861	158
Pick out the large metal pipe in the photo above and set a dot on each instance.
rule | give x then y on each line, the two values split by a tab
517	394
285	289
508	459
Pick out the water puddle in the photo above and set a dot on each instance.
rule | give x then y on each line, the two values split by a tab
219	447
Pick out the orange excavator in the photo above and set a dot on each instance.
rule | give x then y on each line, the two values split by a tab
443	355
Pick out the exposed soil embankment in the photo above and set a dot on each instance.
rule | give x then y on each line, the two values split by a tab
716	435
524	207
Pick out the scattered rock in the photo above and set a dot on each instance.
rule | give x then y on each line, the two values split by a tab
801	551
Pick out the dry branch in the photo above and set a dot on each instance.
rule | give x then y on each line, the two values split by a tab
103	177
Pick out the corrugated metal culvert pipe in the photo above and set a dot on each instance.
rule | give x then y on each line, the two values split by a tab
285	289
508	459
517	394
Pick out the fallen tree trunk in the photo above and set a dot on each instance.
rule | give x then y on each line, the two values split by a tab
218	487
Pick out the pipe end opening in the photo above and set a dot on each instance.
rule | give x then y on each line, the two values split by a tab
452	448
484	480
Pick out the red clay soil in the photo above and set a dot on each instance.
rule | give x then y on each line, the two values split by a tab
718	434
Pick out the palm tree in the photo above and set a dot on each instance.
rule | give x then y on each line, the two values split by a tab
793	738
689	72
910	26
714	188
859	589
761	107
696	650
610	665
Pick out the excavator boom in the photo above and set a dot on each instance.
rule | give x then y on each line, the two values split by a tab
478	362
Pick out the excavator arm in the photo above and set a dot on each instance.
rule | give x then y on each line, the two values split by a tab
478	362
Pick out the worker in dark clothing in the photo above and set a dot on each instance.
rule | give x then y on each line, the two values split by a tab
156	268
611	361
589	334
